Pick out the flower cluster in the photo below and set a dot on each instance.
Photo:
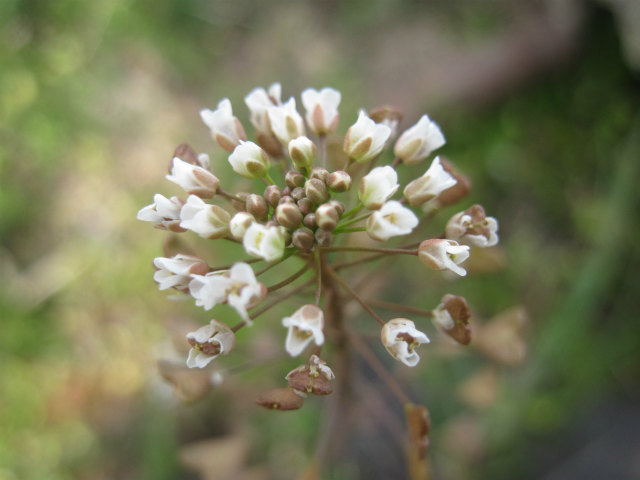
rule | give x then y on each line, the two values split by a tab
312	207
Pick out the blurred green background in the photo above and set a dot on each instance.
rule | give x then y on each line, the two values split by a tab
540	104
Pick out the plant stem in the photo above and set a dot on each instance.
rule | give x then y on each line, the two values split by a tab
227	267
277	262
384	251
354	210
322	141
399	307
268	178
377	366
356	297
353	220
229	196
318	260
349	230
287	281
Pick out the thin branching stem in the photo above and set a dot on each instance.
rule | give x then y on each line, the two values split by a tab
287	281
397	307
384	251
355	296
228	195
353	211
227	267
353	220
277	262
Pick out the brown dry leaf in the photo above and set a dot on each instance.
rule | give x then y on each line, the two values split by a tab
418	426
501	338
479	391
216	459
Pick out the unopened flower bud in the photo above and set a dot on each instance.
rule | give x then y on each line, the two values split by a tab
288	215
306	205
323	238
452	316
442	254
257	206
239	224
473	227
272	195
365	139
269	143
430	185
280	399
303	239
316	190
249	160
327	217
294	179
226	129
286	199
400	337
302	152
193	179
417	142
389	116
320	174
322	109
339	206
298	193
240	205
309	220
339	181
185	152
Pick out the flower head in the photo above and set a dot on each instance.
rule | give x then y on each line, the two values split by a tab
163	213
305	326
417	142
259	101
365	139
391	220
378	186
313	378
175	272
208	221
225	128
208	342
237	286
400	337
434	181
286	123
473	227
193	179
322	109
442	254
264	242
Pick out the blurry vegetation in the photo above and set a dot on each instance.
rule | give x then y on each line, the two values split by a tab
94	97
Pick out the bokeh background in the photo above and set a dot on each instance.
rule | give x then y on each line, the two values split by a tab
540	104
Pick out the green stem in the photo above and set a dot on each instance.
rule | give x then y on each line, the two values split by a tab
268	178
277	262
386	251
287	281
353	220
353	211
349	230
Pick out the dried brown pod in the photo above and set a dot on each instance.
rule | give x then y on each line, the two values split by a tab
280	399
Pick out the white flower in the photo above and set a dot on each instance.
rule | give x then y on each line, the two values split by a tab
225	128
264	242
239	224
365	139
175	272
303	152
322	109
400	337
286	123
378	186
208	342
304	325
434	181
258	101
473	227
193	179
208	221
442	254
163	213
249	160
390	221
238	287
417	142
